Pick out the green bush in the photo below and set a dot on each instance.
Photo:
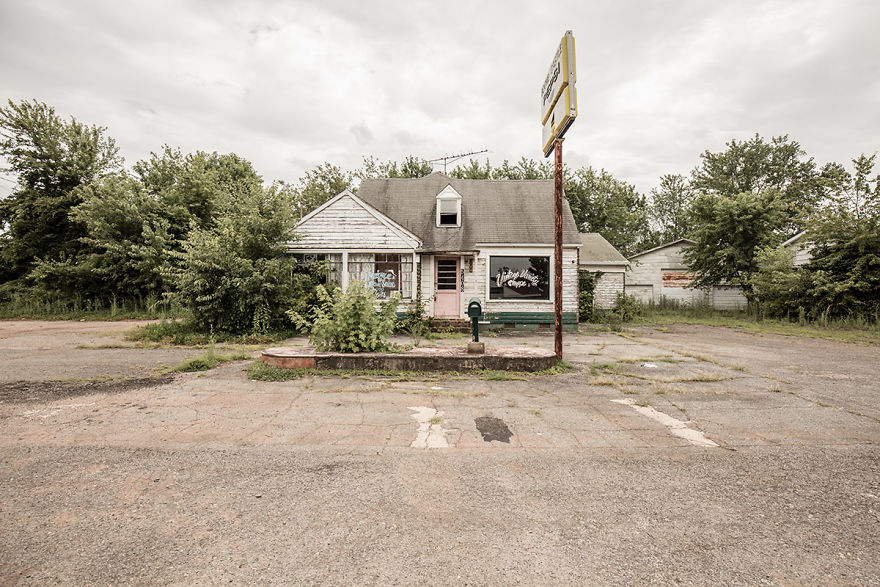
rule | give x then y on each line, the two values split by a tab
586	288
415	323
627	308
347	321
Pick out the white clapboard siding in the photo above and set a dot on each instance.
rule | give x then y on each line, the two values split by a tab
645	280
347	225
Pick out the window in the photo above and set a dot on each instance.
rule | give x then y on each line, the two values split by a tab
449	207
519	278
387	273
448	212
333	261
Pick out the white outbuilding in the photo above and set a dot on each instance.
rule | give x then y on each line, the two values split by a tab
660	274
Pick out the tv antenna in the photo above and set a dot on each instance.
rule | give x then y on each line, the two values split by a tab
452	158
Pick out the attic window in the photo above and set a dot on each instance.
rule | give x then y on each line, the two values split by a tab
448	208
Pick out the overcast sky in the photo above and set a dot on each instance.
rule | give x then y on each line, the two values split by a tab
289	85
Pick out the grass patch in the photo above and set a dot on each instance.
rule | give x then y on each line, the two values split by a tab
25	306
209	360
840	330
183	333
493	375
435	420
444	334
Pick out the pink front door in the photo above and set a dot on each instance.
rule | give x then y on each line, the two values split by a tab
446	278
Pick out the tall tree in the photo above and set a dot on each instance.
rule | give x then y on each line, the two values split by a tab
757	165
53	159
410	167
319	185
670	209
473	170
729	232
613	208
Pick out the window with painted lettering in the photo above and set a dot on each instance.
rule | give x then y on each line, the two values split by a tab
519	278
386	273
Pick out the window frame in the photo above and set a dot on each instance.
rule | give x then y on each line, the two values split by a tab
521	255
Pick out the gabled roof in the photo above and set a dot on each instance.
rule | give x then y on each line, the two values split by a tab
399	232
686	241
595	250
492	211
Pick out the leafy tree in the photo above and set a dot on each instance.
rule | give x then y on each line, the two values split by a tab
670	209
473	170
53	159
601	203
319	185
235	276
135	223
757	166
845	241
524	169
127	246
729	232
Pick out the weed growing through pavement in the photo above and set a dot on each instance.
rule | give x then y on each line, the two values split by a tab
209	360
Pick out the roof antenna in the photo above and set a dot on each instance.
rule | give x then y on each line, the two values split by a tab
452	158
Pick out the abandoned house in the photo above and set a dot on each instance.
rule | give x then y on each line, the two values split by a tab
661	274
599	257
445	241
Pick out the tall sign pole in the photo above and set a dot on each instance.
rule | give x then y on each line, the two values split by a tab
557	250
558	111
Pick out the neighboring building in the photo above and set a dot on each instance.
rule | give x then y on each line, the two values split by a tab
660	273
800	247
449	240
597	255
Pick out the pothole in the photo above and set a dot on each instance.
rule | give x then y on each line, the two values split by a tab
493	429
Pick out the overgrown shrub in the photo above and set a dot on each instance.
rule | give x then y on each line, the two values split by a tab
236	276
415	323
627	307
586	288
347	320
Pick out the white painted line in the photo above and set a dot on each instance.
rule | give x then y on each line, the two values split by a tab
429	435
677	427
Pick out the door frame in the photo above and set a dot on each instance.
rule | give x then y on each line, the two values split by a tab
457	311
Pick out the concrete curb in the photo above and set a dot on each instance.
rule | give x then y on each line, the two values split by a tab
421	359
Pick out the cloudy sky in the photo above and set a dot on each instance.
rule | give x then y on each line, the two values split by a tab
291	84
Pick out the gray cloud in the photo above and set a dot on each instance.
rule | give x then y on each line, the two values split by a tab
290	85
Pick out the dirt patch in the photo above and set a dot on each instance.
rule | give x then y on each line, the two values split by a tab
493	429
17	392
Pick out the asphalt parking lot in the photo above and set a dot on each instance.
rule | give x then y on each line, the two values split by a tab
690	454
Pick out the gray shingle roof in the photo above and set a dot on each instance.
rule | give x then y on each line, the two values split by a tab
505	211
595	249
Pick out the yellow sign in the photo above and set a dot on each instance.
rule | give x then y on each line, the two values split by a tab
563	114
560	75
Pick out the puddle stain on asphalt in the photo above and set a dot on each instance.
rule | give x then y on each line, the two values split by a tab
493	429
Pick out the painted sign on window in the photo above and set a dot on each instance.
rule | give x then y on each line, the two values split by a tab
519	278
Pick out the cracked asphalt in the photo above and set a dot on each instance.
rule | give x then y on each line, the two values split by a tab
213	478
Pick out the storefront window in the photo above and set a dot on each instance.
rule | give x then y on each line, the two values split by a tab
519	278
386	273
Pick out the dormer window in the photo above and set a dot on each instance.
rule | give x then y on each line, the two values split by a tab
448	208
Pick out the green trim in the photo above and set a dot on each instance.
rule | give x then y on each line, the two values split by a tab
528	317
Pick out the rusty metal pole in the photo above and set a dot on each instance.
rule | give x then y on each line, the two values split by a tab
557	250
